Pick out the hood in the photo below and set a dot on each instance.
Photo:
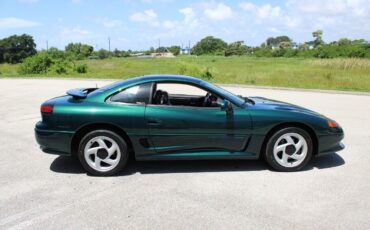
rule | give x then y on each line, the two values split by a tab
265	103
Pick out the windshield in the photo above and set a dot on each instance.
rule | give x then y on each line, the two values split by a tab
231	96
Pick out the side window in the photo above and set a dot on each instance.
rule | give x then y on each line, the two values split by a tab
182	94
134	95
181	89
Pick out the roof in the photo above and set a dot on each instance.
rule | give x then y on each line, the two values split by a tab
164	77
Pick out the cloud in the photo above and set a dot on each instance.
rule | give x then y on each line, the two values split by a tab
16	23
333	7
248	6
188	13
267	11
148	16
219	13
264	11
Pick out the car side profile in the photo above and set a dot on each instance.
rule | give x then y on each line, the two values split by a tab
171	117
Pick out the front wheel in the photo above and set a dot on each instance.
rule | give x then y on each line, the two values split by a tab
289	149
103	153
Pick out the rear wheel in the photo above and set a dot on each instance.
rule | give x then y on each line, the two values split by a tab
289	149
103	153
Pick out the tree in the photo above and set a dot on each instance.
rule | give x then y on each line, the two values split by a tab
102	54
56	53
270	41
175	50
80	51
284	45
236	48
344	42
209	45
15	48
161	49
275	42
318	38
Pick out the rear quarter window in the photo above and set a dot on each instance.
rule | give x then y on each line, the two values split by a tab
134	95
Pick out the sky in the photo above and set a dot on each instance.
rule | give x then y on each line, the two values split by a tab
141	24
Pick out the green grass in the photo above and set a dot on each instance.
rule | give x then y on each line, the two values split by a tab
335	74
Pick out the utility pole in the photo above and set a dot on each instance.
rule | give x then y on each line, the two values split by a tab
159	43
109	44
47	46
189	48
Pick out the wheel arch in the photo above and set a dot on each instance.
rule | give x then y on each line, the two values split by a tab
303	126
83	130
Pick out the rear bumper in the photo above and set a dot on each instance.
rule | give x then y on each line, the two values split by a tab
53	141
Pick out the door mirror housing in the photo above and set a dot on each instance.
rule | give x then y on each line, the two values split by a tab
226	106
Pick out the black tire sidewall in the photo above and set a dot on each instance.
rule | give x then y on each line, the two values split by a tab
118	139
269	155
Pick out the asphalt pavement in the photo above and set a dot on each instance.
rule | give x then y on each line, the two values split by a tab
41	191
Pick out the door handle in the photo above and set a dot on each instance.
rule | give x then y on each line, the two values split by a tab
154	122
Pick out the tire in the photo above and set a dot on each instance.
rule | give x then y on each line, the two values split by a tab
103	153
289	149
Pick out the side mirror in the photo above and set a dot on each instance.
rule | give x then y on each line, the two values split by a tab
226	106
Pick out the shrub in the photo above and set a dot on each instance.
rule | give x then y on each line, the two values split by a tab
102	54
81	68
207	75
61	66
37	64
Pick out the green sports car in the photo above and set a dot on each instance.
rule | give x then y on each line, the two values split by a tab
170	117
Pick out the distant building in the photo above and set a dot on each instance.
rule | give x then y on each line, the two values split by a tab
162	55
185	51
137	54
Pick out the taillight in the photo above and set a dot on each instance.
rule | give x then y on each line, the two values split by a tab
45	108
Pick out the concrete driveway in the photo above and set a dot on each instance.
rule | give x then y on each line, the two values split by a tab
40	191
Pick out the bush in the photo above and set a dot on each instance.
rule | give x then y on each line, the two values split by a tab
102	54
37	64
44	62
81	68
61	66
207	75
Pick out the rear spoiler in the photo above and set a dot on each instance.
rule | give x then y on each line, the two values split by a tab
80	93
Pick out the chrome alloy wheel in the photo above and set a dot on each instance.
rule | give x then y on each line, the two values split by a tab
102	153
290	150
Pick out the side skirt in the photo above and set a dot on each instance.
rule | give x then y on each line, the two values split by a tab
212	155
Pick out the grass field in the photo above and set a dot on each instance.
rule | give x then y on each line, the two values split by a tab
336	74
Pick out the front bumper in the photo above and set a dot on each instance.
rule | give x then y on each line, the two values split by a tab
53	141
330	143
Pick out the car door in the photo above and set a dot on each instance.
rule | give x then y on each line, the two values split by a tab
179	129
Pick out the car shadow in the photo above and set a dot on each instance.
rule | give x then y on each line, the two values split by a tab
71	165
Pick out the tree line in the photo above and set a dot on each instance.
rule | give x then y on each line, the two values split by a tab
22	48
283	46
